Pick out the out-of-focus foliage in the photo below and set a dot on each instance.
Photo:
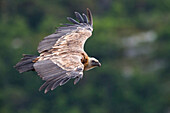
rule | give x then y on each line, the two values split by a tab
131	38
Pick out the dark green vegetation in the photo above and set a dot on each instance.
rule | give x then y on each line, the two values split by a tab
131	39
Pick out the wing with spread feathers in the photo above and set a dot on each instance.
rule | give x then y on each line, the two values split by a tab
85	24
57	73
61	53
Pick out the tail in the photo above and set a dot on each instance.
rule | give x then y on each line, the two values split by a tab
26	63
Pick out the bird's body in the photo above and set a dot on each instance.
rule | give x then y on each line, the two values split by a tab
72	44
62	56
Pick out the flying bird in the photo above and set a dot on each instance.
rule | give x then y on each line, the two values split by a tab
62	56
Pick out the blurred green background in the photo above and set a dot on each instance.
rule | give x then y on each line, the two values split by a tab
131	38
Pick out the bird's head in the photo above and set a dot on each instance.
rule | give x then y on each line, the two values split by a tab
92	63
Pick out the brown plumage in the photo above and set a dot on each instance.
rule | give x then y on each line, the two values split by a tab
62	56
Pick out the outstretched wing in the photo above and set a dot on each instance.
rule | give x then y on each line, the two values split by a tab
57	71
83	27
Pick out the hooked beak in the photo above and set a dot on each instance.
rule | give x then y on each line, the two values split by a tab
99	64
96	63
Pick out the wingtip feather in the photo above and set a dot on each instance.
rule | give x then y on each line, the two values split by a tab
79	17
85	18
72	20
89	15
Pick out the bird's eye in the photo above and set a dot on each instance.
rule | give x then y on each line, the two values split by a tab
93	61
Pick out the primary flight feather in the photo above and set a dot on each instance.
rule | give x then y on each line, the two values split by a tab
62	56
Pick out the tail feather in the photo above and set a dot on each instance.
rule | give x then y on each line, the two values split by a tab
26	63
